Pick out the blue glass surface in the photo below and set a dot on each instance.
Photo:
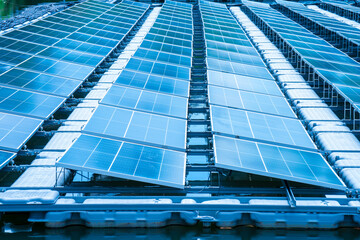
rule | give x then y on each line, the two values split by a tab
250	101
126	160
16	130
166	70
28	103
274	161
58	68
245	83
263	127
146	101
123	124
154	83
40	82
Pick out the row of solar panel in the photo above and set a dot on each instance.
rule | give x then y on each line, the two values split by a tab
146	106
34	87
343	5
258	94
343	29
272	141
155	109
334	66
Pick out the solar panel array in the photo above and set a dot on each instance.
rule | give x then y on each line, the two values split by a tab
341	28
42	64
335	67
255	129
138	132
343	5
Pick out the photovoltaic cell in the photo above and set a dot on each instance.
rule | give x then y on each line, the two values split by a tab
16	130
146	101
238	68
28	103
39	82
250	101
139	127
58	68
161	69
275	161
245	83
262	127
126	160
154	83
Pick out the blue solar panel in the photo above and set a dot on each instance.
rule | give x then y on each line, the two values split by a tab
263	127
28	103
40	82
274	161
154	83
238	68
16	130
166	70
11	57
126	160
163	57
235	57
5	158
250	101
245	83
146	101
72	56
58	68
139	127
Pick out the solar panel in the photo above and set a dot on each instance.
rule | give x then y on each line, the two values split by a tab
58	68
20	46
72	56
68	20
146	101
245	83
138	127
11	57
166	70
82	37
16	130
262	127
250	101
171	34
275	161
83	47
101	33
235	41
39	82
44	31
332	65
126	160
169	40
57	26
163	57
238	68
231	48
28	103
235	57
174	28
5	158
164	47
154	83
